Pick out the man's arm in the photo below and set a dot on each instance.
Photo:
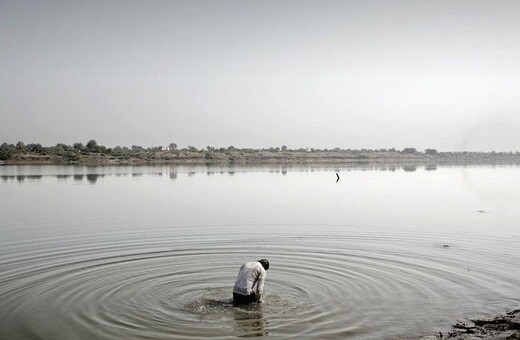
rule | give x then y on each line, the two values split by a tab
260	286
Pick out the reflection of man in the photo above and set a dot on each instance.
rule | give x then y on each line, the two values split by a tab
249	285
249	322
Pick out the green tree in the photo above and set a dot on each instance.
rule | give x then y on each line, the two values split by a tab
173	146
155	148
5	151
78	147
432	152
61	149
409	150
71	157
92	146
20	146
35	147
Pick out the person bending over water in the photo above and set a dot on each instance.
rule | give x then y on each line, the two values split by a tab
249	286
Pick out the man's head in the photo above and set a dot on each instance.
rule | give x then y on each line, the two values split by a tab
264	263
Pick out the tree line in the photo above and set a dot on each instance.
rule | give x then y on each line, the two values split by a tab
73	152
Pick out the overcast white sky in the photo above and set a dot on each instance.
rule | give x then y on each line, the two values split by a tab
353	74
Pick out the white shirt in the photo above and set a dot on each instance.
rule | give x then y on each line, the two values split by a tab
251	278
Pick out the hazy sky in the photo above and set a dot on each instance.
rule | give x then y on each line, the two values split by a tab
353	74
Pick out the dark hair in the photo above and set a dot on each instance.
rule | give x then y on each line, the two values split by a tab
264	263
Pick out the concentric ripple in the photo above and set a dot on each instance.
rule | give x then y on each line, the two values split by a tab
153	252
167	286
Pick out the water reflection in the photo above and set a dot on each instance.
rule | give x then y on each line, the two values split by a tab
21	178
409	168
249	321
92	178
159	269
79	173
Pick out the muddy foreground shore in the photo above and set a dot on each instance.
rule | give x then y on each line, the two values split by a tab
502	327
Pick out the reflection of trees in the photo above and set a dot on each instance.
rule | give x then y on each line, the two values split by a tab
92	178
79	173
249	321
410	168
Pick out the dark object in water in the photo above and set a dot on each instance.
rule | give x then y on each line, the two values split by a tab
239	299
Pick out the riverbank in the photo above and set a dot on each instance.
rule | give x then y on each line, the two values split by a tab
260	156
501	327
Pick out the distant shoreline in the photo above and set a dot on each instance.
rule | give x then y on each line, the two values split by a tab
241	157
94	154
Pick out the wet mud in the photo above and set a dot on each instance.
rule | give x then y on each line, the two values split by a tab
502	327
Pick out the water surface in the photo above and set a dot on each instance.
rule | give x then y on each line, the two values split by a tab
152	252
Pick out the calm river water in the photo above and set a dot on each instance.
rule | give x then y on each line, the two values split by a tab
153	252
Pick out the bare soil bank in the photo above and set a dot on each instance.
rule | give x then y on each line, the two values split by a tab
182	157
